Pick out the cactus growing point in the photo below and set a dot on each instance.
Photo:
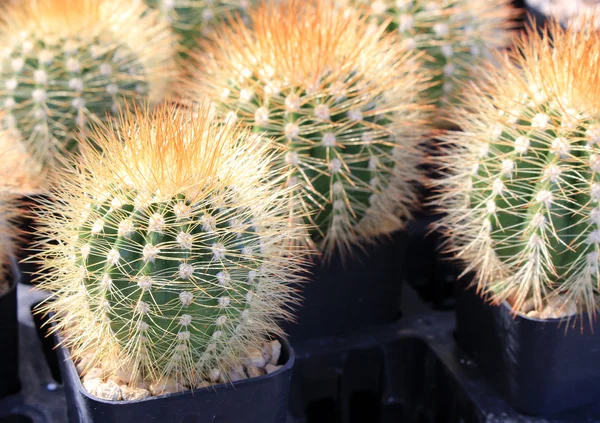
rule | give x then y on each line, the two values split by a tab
65	64
522	182
342	100
171	260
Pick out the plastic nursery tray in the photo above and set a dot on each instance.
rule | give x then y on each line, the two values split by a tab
408	372
411	371
41	398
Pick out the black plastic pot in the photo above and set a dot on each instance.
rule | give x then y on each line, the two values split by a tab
9	339
541	367
428	270
27	238
344	297
257	400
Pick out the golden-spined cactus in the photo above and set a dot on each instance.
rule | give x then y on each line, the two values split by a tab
456	35
341	98
522	182
170	255
66	64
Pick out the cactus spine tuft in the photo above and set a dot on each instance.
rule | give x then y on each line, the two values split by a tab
65	64
170	260
341	99
521	185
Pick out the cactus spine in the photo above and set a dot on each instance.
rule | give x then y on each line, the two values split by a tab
455	35
522	181
67	63
340	98
170	259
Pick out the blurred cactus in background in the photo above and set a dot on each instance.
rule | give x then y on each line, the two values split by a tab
20	174
456	35
193	20
521	185
65	64
172	257
341	98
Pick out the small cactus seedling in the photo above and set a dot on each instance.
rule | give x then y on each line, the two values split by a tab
192	20
341	99
67	63
455	34
522	182
167	257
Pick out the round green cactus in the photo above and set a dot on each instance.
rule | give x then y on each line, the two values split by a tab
455	35
67	63
522	185
174	254
193	20
341	100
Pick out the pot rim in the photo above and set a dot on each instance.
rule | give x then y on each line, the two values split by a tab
73	375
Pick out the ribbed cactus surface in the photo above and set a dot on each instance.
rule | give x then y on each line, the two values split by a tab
66	64
342	101
522	186
175	252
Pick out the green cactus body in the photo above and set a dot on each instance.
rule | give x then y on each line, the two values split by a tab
172	277
522	189
542	184
51	91
56	81
455	34
193	20
348	125
346	155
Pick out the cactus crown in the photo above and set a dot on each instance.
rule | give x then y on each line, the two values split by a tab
521	184
171	258
455	34
67	63
193	19
340	98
